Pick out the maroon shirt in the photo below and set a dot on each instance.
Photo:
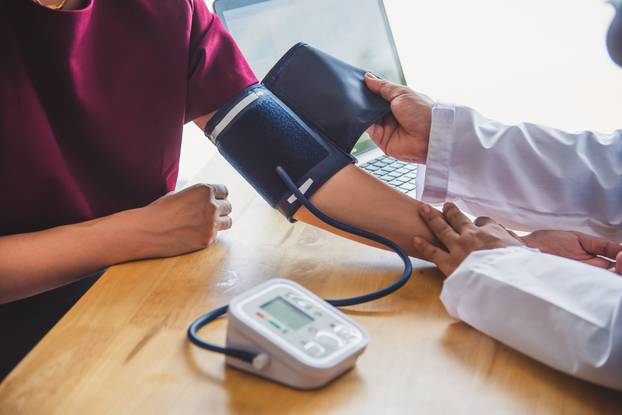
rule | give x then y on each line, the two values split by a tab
92	103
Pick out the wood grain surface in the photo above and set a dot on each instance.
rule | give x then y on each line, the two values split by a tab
123	348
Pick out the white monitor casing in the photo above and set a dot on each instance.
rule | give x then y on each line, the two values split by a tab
299	358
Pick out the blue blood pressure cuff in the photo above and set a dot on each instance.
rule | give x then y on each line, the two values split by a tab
257	132
327	93
305	117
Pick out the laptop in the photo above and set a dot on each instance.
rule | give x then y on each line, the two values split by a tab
355	31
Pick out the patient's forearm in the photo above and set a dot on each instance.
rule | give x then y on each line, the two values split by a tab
358	199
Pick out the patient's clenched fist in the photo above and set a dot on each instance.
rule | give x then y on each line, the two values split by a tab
185	221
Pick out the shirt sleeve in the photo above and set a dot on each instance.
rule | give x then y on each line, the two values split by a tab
525	176
564	313
217	69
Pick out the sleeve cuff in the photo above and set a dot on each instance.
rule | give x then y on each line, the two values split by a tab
477	263
439	154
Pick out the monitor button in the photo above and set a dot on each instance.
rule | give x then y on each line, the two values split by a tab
302	304
314	349
328	340
344	332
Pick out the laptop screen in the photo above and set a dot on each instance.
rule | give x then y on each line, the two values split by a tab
355	31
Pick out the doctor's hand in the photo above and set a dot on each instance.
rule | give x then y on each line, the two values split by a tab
589	249
404	134
460	237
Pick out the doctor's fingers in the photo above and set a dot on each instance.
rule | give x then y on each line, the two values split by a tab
382	131
485	220
434	254
599	246
458	220
600	262
438	225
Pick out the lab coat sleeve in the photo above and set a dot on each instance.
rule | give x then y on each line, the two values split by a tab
525	176
563	313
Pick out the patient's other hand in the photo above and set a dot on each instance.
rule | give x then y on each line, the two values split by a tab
404	134
595	251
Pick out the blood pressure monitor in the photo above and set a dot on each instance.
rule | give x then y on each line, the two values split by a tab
285	333
301	340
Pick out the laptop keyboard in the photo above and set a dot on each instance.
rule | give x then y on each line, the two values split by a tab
395	173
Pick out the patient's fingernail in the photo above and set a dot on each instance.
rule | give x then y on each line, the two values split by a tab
426	209
371	75
418	240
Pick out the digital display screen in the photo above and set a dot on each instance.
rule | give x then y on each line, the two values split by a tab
351	30
286	313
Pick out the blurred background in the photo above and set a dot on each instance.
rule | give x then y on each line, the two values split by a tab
542	61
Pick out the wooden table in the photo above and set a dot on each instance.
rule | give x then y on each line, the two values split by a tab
123	347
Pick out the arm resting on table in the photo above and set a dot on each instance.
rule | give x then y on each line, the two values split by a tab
174	224
31	263
566	314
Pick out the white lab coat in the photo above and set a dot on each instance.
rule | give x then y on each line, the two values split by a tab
563	313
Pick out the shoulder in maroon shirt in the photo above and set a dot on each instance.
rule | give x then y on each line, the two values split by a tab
92	103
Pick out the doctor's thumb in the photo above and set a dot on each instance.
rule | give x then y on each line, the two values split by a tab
619	263
373	82
386	89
